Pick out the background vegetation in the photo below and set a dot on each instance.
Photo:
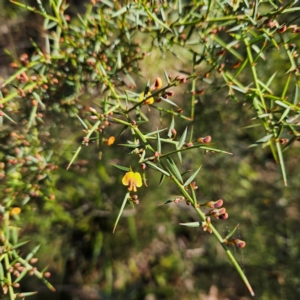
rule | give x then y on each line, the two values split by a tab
71	213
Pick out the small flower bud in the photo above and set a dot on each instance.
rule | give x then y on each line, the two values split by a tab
190	144
24	58
236	65
204	140
283	141
218	203
170	93
33	260
183	80
158	83
174	132
194	185
221	53
110	140
13	65
177	200
223	216
282	29
47	274
92	110
239	243
216	213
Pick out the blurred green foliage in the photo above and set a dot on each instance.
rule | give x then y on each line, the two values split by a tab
98	58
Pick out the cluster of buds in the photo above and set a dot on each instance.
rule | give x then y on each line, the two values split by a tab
85	141
134	199
180	79
217	210
104	118
235	242
206	225
194	185
167	94
218	213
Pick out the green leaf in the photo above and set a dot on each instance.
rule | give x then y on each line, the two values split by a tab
171	127
19	245
7	117
174	169
271	79
26	294
168	101
231	232
179	156
121	210
262	140
157	168
167	77
283	116
182	139
162	177
153	133
158	143
155	19
167	202
126	169
286	86
121	11
282	104
190	224
38	99
1	274
82	122
281	162
296	95
32	253
130	145
95	126
74	157
192	177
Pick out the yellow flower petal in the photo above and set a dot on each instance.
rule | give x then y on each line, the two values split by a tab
148	101
132	180
138	179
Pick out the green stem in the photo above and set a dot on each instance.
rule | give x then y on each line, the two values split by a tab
6	258
216	234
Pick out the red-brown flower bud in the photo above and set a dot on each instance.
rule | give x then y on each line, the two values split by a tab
204	140
239	243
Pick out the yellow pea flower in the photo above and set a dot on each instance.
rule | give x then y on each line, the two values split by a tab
110	140
15	211
148	101
133	180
